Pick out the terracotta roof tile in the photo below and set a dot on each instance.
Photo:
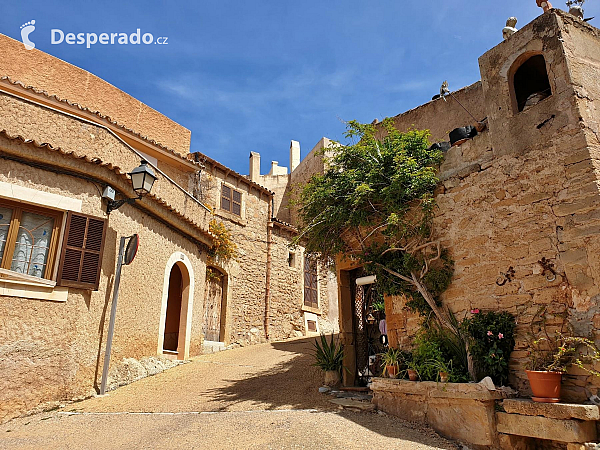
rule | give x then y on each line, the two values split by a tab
96	113
190	157
116	169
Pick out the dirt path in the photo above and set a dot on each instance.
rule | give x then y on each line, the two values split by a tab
263	396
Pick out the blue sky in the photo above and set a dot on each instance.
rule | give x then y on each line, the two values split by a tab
251	76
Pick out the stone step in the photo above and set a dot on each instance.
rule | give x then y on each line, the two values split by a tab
353	404
213	347
545	428
528	407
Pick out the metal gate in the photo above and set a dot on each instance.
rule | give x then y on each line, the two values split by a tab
366	332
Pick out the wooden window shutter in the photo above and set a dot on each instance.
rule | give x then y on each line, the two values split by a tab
311	297
226	198
81	257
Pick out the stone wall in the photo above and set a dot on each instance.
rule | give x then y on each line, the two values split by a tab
55	350
443	116
313	163
247	272
525	189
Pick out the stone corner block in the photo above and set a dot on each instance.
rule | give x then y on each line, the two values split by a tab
551	410
546	428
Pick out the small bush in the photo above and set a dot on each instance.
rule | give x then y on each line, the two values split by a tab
491	337
433	354
329	355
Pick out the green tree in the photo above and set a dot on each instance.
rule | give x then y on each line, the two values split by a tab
375	203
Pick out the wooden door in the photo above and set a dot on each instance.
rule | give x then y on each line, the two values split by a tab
212	306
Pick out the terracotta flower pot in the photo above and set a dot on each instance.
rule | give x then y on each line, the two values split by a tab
444	377
392	371
545	386
332	378
412	375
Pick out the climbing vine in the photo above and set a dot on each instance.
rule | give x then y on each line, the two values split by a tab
375	203
224	247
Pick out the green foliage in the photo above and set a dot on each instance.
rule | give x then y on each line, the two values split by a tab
378	304
375	202
328	355
570	352
491	337
432	355
392	357
436	280
453	345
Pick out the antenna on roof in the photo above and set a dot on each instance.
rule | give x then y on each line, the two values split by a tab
444	90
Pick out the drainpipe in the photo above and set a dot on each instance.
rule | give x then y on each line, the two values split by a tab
268	270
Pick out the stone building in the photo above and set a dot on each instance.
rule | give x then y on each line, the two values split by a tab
525	188
65	135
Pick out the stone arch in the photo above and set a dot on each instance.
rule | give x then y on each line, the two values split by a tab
528	78
184	266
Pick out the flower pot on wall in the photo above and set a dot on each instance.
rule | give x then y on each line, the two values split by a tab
332	378
545	386
413	375
392	371
444	376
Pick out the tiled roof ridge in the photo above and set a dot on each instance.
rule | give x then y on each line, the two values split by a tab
189	157
223	167
115	169
96	113
284	224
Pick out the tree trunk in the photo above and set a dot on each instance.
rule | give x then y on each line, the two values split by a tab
444	321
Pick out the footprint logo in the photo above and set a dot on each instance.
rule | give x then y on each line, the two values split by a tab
26	30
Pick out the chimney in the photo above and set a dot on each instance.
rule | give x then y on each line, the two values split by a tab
294	155
254	166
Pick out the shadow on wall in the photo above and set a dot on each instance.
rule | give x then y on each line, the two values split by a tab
294	385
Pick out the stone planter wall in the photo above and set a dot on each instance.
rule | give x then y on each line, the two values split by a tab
461	411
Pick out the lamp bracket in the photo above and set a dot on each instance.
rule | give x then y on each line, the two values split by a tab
116	204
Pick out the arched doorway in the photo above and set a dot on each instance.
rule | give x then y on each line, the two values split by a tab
177	303
173	318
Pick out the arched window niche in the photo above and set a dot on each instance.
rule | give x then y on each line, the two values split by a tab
529	82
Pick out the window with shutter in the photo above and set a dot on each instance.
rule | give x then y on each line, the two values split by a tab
231	200
311	298
28	239
81	258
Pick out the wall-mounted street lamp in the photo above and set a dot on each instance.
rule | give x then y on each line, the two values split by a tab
142	178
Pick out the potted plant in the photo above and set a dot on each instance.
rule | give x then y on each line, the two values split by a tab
412	371
552	354
390	362
550	357
444	370
329	357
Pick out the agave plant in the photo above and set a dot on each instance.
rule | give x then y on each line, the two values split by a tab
328	355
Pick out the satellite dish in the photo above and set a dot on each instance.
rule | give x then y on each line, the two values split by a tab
131	250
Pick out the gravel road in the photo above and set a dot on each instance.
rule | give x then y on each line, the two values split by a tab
259	397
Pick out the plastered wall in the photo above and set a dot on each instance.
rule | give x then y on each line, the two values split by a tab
54	350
